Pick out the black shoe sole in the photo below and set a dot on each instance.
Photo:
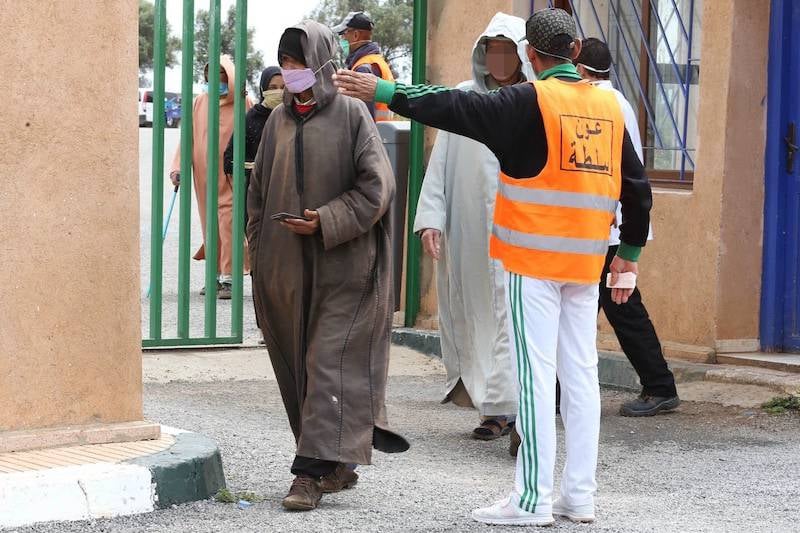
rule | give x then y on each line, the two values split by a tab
667	405
503	432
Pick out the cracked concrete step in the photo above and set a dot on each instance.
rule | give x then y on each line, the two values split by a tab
614	370
784	362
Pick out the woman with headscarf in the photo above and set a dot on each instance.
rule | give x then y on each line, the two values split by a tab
270	97
200	174
320	191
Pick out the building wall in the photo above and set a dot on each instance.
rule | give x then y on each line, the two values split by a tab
69	302
701	276
702	273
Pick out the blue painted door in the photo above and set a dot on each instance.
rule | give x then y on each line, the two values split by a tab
780	310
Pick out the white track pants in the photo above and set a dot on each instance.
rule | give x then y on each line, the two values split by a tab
553	329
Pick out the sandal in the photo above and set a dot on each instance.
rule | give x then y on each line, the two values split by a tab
492	428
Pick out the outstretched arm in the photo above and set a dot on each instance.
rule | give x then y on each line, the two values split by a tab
494	119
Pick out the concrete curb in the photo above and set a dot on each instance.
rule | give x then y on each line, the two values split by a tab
421	340
190	470
615	371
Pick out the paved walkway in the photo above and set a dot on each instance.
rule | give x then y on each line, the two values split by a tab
703	468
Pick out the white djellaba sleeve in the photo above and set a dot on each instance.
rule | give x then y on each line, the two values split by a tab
432	205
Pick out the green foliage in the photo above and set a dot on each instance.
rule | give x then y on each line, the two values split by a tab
781	404
255	59
226	496
393	23
147	13
251	497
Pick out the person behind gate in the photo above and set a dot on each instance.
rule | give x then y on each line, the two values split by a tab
565	161
200	173
271	88
318	233
364	55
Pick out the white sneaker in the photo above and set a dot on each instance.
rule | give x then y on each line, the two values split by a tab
505	513
577	513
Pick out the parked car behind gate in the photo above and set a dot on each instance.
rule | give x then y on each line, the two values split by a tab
172	108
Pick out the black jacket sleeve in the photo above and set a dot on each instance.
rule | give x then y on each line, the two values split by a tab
227	161
636	197
502	120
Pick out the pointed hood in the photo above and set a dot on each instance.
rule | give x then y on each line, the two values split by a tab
227	65
320	45
501	25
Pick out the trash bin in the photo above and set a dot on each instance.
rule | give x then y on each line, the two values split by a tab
395	136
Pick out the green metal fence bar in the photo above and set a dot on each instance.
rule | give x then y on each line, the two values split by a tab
212	191
209	338
157	178
237	289
416	155
197	341
187	123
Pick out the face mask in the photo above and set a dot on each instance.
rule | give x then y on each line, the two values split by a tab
272	98
345	44
223	88
299	80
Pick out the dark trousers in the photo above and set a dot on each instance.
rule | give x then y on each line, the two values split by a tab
316	468
637	337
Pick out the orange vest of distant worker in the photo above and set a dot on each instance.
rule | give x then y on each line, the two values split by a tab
381	110
555	226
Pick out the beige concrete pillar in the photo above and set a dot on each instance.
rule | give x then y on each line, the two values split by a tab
69	236
742	224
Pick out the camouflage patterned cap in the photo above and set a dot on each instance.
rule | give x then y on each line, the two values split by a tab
551	31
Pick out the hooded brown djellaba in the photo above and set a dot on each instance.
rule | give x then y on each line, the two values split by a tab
324	302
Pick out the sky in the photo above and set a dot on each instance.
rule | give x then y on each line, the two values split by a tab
268	17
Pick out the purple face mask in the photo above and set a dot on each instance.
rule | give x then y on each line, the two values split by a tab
302	79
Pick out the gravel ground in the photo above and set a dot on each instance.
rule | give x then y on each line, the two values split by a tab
703	468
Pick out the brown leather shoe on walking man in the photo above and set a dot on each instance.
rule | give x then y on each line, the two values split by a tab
342	477
304	494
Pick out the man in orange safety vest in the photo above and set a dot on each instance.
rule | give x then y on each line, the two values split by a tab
566	159
364	55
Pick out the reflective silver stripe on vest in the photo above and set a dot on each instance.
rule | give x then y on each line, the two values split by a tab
578	200
546	243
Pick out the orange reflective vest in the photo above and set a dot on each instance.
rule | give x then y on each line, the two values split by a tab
381	110
555	225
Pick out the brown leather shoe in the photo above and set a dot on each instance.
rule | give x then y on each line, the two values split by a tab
304	494
341	478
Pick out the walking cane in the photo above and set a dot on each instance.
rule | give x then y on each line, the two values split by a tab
166	227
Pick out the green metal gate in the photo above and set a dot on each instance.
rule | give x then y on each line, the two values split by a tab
182	337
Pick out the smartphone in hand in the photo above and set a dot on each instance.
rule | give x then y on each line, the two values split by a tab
280	217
